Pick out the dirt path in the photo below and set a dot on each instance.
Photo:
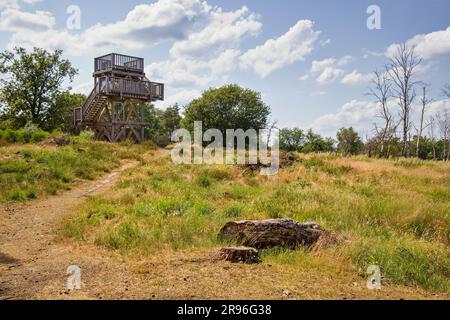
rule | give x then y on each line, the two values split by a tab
29	254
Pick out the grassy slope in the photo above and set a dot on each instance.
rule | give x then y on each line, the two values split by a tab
396	213
31	171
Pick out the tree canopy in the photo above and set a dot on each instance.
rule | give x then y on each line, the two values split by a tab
296	139
31	85
349	141
227	107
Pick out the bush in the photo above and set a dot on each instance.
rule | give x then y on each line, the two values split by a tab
30	133
39	136
10	135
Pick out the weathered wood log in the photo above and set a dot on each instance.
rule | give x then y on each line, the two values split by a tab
239	255
262	234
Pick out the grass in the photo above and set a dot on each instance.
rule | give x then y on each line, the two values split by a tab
396	213
31	171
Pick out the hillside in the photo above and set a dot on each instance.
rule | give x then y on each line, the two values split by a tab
157	227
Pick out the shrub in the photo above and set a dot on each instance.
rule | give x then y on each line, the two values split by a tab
30	133
39	136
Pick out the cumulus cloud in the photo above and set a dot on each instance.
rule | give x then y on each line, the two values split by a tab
144	26
327	70
182	97
356	78
320	65
223	30
5	4
277	53
329	75
15	20
359	114
428	45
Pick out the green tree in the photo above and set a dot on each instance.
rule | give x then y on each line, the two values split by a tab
171	119
292	139
349	141
32	84
227	107
160	124
316	143
60	115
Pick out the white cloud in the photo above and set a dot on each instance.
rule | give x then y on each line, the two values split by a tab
327	70
356	78
144	26
320	65
223	30
359	114
32	1
182	97
5	4
277	53
14	20
428	45
189	72
83	88
329	75
438	107
344	60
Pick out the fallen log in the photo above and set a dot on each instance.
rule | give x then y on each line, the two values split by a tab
239	255
263	234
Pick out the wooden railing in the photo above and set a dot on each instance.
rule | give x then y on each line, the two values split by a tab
121	86
119	61
157	90
127	87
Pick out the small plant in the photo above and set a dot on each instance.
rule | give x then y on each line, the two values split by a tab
204	181
87	135
233	211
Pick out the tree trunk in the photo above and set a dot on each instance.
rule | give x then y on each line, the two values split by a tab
239	255
262	234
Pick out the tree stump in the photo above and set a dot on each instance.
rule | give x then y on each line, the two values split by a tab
239	255
263	234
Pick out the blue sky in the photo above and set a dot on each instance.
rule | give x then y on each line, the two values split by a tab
311	60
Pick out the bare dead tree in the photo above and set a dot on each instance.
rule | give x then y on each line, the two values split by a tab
424	103
381	91
444	129
402	67
431	129
270	128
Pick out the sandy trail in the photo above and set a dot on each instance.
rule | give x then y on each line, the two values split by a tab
29	255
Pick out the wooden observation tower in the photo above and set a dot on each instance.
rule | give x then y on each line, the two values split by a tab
115	108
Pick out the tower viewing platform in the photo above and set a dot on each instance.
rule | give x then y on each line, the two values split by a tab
114	110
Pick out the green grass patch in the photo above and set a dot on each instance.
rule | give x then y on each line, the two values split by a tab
28	172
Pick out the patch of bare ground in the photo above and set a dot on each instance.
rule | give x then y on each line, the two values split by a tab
29	254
